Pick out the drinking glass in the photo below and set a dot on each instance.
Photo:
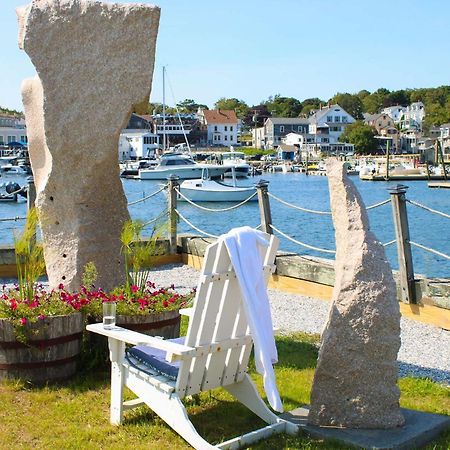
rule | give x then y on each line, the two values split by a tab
109	315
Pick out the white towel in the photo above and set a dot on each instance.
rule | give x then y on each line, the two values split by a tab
242	245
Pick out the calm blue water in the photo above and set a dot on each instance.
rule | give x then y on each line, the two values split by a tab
310	192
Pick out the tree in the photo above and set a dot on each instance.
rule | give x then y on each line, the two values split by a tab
283	106
350	102
377	100
234	104
309	104
362	136
189	106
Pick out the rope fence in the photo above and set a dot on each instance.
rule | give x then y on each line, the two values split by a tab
430	250
13	219
426	208
193	226
143	199
302	244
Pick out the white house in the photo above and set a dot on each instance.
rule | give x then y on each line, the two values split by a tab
396	112
12	129
326	125
221	126
137	144
413	116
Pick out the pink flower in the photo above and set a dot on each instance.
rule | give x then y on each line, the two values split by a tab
23	321
60	286
134	288
41	317
165	303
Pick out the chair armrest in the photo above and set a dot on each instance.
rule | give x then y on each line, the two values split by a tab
132	337
187	312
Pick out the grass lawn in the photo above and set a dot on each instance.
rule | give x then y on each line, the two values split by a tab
75	415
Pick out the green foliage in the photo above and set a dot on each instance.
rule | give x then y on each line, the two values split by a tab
10	112
351	103
90	274
239	106
74	415
280	106
189	106
361	136
251	151
137	253
29	256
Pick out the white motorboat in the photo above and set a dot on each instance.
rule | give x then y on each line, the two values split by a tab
206	190
236	160
182	166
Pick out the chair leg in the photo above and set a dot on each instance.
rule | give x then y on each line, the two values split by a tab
245	391
116	353
170	408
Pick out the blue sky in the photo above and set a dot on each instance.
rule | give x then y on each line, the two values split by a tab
251	49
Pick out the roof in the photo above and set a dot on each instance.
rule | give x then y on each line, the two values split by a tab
220	116
289	120
287	148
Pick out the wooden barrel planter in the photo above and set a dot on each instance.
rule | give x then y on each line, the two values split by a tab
50	354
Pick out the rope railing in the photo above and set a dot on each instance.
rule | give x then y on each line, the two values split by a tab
313	211
430	250
386	244
427	208
204	208
377	205
158	217
295	241
290	205
143	199
193	226
14	219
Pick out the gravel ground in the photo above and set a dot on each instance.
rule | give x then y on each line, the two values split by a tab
425	349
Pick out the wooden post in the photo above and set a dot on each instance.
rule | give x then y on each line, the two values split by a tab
441	154
264	206
31	193
406	270
387	161
172	206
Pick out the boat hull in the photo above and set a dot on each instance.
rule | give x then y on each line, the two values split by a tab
184	173
211	191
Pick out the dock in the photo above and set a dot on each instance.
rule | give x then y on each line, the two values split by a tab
439	184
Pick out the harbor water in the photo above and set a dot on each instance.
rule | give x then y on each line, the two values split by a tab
310	192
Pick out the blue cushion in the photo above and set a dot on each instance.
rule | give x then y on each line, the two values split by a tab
151	360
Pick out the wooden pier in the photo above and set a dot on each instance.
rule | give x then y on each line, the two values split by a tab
439	184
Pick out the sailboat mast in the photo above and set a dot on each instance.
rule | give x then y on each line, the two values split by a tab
164	108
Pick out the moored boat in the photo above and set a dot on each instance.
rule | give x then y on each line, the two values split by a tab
180	165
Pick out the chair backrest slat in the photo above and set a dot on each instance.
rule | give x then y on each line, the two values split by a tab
217	315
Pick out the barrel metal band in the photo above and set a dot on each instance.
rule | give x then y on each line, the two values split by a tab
39	364
41	343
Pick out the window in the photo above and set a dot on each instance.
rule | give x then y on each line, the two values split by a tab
23	139
337	118
231	138
226	137
281	128
11	139
329	118
231	127
225	128
215	127
344	119
1	140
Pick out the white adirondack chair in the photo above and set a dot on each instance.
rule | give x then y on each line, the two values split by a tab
215	353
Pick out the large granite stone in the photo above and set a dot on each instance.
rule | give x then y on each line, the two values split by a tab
94	61
355	381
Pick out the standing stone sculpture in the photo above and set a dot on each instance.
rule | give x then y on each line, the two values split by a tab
94	61
355	381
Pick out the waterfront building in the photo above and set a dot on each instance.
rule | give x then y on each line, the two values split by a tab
396	112
326	126
221	126
12	129
275	129
413	117
179	128
386	130
138	140
445	140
